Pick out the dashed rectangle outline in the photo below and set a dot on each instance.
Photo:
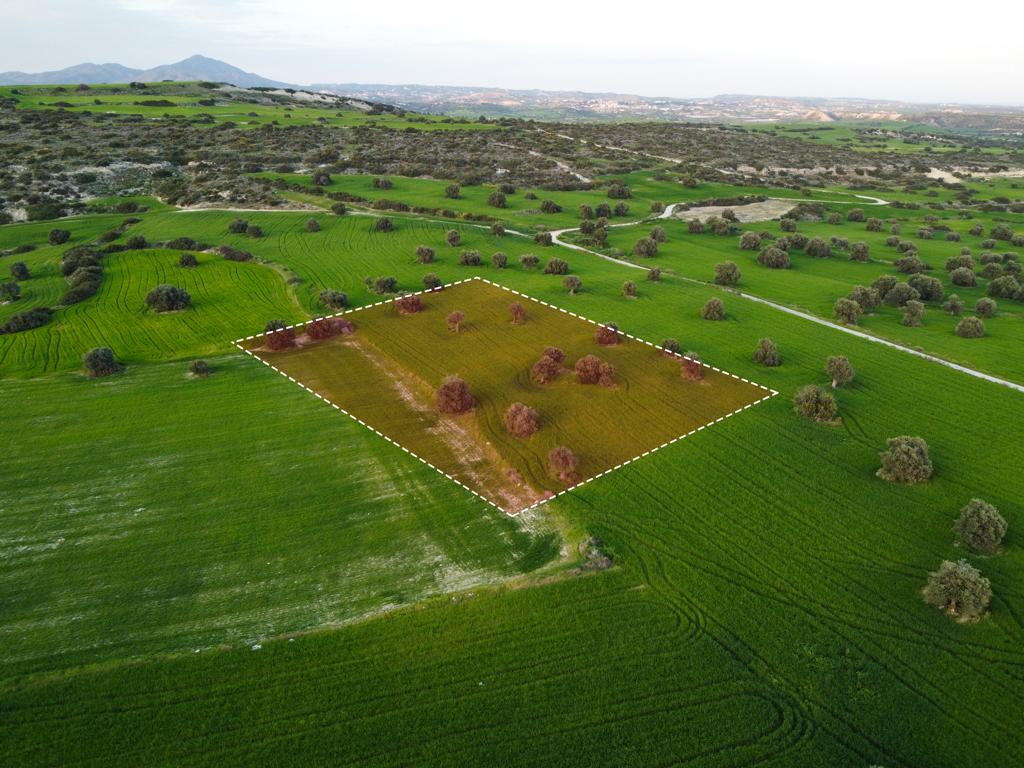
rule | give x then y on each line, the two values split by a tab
238	343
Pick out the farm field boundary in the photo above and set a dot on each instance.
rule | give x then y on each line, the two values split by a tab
244	343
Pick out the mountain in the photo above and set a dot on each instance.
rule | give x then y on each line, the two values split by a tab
193	68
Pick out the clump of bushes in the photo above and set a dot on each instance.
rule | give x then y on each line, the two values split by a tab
167	298
27	320
727	272
100	362
556	266
333	299
188	261
409	304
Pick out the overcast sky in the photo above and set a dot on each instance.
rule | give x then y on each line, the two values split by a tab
918	51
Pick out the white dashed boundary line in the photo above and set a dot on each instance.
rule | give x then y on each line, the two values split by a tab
238	343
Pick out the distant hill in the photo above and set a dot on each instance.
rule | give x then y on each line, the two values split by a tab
193	68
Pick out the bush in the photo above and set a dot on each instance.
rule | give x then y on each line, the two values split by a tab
727	273
562	464
556	266
873	225
629	289
860	252
454	397
326	327
312	225
409	304
954	305
19	271
750	241
238	226
690	367
818	248
658	235
9	292
550	206
382	285
980	526
910	264
959	589
695	227
199	368
928	288
58	236
654	274
839	370
424	254
671	346
452	192
985	307
963	261
815	403
900	294
497	199
767	354
382	182
543	239
1005	287
645	247
970	328
545	369
905	461
529	261
497	229
470	259
333	299
100	362
1001	232
521	420
713	309
167	298
855	214
136	243
182	244
27	320
963	277
431	281
773	258
453	238
588	370
518	313
339	209
233	255
188	261
499	260
607	335
847	311
913	313
383	224
455	320
867	298
572	284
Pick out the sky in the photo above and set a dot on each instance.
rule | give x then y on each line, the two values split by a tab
904	50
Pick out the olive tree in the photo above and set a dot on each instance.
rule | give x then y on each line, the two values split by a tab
839	370
454	397
713	309
815	403
766	353
954	305
970	328
847	311
980	526
905	460
959	589
913	313
100	362
727	273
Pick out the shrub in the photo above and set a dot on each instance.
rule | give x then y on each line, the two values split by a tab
847	311
929	288
100	362
910	263
900	294
554	353
963	261
469	259
773	258
333	299
238	226
572	284
873	225
866	298
167	298
815	403
188	261
629	289
409	304
199	369
985	307
453	396
959	589
963	277
424	254
883	284
58	236
695	227
521	420
690	367
818	248
562	464
855	214
529	261
497	199
277	335
588	369
550	206
312	225
545	370
27	320
954	305
767	354
455	320
727	273
326	327
992	270
1001	232
913	313
383	224
750	241
431	281
607	335
182	244
953	237
905	461
658	235
234	255
618	191
382	285
654	274
452	192
980	526
499	260
136	243
713	309
9	292
839	370
497	229
339	209
542	239
797	242
19	271
606	376
860	252
671	346
977	230
556	266
382	182
1005	287
970	328
645	247
787	224
518	313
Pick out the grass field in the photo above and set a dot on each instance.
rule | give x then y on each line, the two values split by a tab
387	371
764	606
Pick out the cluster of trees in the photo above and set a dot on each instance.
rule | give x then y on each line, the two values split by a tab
548	366
168	298
326	327
409	304
590	369
100	362
277	336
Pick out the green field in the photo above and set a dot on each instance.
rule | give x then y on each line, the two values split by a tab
387	371
224	571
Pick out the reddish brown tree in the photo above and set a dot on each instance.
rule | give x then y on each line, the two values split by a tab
409	304
455	321
607	335
453	396
521	420
554	353
283	338
545	370
588	370
326	327
518	313
562	464
606	378
690	369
